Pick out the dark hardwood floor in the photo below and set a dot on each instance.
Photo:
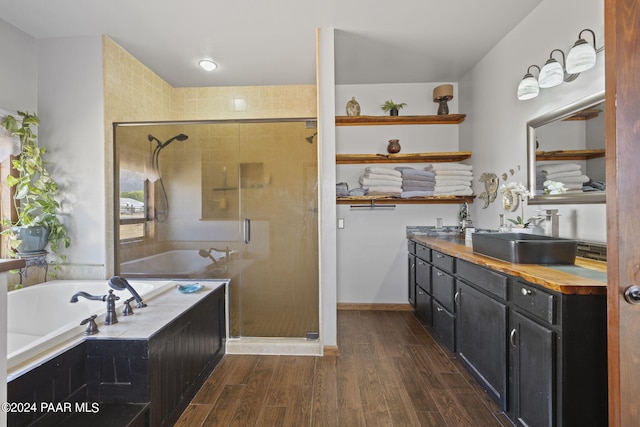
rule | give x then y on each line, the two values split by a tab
390	372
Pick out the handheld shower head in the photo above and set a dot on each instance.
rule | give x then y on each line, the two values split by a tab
179	137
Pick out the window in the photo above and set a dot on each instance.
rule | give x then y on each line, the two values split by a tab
133	205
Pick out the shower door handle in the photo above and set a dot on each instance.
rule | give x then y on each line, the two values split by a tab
247	230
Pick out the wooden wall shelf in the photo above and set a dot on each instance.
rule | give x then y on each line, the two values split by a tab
569	154
454	156
448	119
374	200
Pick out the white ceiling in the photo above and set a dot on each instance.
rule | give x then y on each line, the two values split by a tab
272	42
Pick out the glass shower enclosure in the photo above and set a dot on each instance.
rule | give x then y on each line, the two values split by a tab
224	199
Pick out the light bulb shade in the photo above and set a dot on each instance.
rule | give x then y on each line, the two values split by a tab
581	57
443	91
551	74
528	87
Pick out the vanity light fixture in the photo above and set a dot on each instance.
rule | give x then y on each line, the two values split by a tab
582	55
528	87
208	64
552	73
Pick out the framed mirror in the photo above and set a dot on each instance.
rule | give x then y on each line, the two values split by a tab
566	149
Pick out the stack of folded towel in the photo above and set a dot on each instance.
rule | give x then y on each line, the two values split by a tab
379	181
416	183
569	174
452	179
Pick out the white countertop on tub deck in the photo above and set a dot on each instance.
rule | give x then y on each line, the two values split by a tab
143	324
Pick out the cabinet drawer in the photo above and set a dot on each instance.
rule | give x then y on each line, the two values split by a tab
411	247
444	326
488	280
423	274
423	252
442	288
423	306
442	261
540	303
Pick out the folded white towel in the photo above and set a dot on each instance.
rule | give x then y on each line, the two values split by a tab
450	188
417	183
409	194
454	173
450	182
392	178
448	178
383	171
557	175
367	182
580	179
564	167
465	192
384	189
450	167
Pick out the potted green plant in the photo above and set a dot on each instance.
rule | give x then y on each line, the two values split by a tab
392	107
37	210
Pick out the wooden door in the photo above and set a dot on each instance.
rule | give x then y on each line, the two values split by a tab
622	52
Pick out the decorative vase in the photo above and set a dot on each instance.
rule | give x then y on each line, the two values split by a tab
353	108
443	107
32	239
393	112
393	146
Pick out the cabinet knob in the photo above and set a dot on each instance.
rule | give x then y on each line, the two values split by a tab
512	337
439	274
439	309
632	294
525	291
420	293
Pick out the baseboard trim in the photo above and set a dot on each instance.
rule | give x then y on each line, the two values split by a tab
367	306
330	351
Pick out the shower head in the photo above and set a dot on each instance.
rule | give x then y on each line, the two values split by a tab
179	137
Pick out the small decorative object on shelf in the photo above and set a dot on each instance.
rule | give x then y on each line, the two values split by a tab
442	94
394	146
353	108
392	107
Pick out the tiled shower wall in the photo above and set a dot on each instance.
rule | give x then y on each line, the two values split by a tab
134	93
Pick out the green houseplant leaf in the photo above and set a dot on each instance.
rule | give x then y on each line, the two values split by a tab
35	190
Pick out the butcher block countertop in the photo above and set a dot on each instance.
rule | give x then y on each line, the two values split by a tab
585	277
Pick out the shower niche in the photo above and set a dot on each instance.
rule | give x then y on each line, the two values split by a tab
241	203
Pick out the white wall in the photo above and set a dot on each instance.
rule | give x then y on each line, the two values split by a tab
70	105
495	129
18	91
371	249
18	73
326	182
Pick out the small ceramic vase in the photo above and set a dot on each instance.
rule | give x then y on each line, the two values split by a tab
394	146
353	108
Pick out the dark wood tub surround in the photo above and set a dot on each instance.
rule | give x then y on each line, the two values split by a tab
534	337
141	380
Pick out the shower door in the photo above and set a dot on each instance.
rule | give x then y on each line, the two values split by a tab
276	294
243	205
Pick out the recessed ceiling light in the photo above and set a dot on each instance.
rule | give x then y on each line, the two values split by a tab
208	64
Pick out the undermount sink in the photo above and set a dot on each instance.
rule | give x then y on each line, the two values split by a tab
521	248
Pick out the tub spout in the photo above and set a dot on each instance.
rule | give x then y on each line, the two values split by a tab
120	283
82	294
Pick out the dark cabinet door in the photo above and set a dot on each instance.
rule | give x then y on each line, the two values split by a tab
481	343
532	372
423	306
423	274
444	324
412	279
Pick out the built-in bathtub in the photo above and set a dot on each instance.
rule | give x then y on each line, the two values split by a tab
176	264
40	317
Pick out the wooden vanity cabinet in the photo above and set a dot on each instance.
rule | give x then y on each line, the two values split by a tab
541	355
